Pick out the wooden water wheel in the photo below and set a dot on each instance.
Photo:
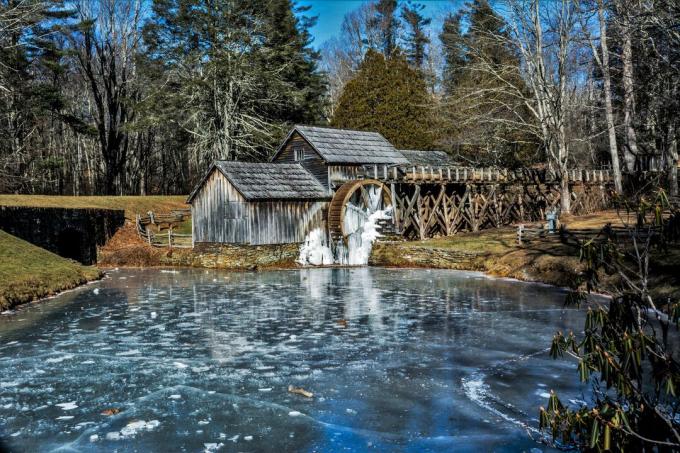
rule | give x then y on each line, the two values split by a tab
356	200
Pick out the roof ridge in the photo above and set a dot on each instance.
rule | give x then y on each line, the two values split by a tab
339	129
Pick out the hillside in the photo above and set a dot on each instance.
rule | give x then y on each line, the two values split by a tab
131	204
29	272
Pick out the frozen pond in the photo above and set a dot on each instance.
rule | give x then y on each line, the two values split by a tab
195	360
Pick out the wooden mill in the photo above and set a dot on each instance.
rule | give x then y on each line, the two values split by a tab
334	180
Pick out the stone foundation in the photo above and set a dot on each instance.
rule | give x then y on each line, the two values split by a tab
70	233
236	256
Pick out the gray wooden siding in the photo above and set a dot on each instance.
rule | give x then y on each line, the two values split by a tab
219	213
312	162
284	222
338	174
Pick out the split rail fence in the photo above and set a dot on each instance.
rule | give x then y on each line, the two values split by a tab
167	238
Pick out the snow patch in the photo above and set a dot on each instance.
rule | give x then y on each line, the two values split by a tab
67	406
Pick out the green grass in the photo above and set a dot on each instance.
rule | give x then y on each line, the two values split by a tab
29	272
486	242
131	204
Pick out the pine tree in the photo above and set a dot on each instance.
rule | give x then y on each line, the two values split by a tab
484	120
389	97
454	51
31	73
387	22
416	39
289	48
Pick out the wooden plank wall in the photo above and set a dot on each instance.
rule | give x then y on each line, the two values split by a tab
284	222
339	174
219	212
312	162
221	215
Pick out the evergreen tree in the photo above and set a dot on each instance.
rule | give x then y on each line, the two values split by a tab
226	93
289	45
454	51
416	39
31	73
485	122
386	21
242	72
389	97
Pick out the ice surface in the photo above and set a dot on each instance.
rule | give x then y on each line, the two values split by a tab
408	360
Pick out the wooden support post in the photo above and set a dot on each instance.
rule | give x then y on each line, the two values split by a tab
448	173
440	174
414	173
465	173
457	176
385	172
421	220
394	172
375	172
422	173
395	208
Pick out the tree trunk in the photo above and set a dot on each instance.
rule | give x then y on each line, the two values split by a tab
631	150
613	149
565	195
673	170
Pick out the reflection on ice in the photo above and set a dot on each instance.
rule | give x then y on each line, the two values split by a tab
413	360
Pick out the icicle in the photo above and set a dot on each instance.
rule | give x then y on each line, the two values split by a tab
315	249
364	227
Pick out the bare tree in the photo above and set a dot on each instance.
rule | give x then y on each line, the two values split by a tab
631	150
544	37
601	57
105	42
341	56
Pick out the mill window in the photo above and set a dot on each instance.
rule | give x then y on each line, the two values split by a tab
299	154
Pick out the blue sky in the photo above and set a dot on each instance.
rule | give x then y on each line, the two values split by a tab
331	12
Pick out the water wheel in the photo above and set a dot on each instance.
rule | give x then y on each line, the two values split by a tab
353	203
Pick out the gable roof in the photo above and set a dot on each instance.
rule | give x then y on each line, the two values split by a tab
268	181
426	158
342	146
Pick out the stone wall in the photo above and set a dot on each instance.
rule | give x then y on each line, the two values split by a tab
71	233
236	256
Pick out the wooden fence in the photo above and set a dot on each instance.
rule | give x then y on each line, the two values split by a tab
577	236
457	174
167	222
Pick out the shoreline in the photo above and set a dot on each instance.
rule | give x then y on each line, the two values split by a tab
105	272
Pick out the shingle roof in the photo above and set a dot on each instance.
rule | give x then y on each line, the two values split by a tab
426	158
268	181
341	146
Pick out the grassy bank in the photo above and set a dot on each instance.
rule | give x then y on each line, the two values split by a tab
496	252
28	272
130	204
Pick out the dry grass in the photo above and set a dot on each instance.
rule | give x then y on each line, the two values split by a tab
126	248
549	261
130	204
29	272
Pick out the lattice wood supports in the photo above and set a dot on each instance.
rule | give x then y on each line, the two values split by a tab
444	208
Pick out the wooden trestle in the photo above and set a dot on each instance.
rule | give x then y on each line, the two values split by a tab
443	201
